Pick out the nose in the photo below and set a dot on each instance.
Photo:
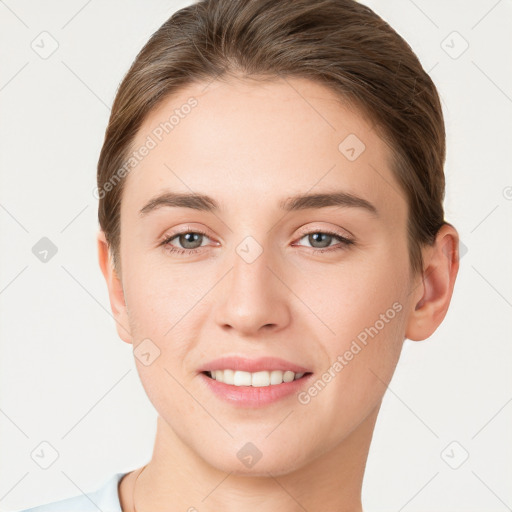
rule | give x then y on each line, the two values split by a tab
252	297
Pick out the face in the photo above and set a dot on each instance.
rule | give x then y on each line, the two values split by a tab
319	287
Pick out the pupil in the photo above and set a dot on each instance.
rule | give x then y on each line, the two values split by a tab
187	237
315	237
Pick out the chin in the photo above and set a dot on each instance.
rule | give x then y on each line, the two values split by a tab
258	459
263	468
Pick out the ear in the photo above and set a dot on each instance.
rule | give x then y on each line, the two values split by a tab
115	289
434	290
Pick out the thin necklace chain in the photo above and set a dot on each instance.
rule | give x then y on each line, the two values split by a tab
134	484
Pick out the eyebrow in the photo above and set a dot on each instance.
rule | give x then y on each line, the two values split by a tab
294	203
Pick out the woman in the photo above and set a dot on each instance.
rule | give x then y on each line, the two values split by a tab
271	230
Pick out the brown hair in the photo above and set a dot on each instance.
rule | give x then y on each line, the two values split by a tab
339	43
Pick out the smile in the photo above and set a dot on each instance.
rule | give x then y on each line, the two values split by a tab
256	379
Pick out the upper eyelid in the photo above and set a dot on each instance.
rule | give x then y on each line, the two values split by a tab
191	229
331	231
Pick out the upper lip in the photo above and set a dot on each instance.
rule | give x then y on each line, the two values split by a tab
252	365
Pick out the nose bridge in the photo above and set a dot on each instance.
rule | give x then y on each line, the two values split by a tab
250	266
252	297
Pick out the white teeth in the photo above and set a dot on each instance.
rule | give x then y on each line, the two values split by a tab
228	376
260	379
241	378
276	377
288	376
256	379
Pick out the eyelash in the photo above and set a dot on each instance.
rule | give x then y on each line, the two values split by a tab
345	242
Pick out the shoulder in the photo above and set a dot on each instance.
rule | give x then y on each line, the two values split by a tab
104	498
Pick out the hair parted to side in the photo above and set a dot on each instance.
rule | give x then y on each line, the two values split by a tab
341	44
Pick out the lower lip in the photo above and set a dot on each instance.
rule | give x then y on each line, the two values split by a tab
250	396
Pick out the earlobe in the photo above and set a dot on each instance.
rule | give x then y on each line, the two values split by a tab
434	292
115	288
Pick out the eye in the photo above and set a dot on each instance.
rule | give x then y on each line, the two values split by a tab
189	240
324	239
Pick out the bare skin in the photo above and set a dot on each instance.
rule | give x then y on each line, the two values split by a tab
248	146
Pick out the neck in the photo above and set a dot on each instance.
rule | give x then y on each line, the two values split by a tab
176	479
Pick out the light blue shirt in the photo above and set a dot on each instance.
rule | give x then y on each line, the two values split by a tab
105	498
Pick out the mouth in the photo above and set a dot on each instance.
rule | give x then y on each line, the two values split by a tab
259	379
253	383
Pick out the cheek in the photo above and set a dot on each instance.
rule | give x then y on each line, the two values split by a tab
361	360
365	310
158	296
166	306
346	300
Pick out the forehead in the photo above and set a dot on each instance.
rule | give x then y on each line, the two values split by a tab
250	144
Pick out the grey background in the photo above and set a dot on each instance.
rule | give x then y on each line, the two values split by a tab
69	382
